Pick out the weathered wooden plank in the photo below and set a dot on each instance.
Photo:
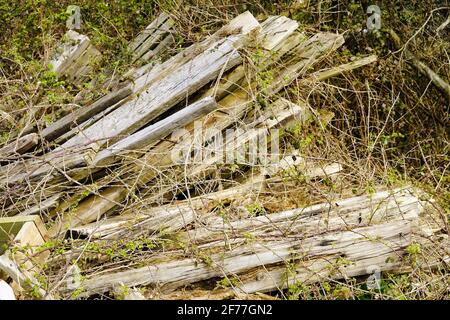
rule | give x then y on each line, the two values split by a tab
142	36
385	259
153	133
82	114
49	167
353	212
160	50
277	37
160	218
27	233
19	146
82	66
154	35
280	277
332	72
24	279
85	212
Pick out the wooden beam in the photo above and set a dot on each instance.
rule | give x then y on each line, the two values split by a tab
357	228
153	133
148	31
153	36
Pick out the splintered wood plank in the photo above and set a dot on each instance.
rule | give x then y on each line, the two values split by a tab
81	127
11	225
332	72
308	53
382	207
168	217
440	83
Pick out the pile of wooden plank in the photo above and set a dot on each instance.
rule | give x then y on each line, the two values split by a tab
107	171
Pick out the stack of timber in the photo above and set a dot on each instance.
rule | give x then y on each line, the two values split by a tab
117	170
